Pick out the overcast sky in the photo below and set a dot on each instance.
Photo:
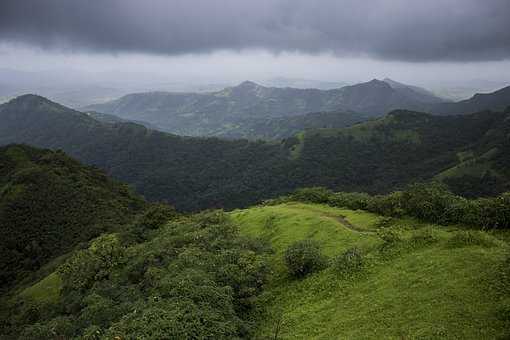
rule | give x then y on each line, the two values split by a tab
422	42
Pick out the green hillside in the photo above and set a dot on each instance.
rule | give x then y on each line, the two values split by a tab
226	276
428	282
285	127
254	111
49	203
174	277
377	156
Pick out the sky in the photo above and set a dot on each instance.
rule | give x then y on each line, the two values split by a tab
433	43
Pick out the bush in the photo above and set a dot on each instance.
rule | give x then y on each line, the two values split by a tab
431	202
389	236
470	238
349	262
351	200
388	205
304	257
392	240
423	237
157	215
312	195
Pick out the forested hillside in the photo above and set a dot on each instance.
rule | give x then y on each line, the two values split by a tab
404	147
49	203
285	127
253	111
195	173
239	110
497	101
312	264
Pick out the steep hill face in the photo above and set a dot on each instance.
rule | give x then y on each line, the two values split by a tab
207	113
49	203
420	94
196	173
406	146
497	101
285	127
190	173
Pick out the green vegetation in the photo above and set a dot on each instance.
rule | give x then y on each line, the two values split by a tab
84	258
253	111
389	278
46	291
303	258
199	173
191	277
49	203
430	202
309	265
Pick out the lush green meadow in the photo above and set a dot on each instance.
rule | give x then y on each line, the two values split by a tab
433	282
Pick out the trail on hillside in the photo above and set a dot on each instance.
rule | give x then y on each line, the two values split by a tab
340	219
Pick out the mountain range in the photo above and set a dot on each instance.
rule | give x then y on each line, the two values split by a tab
233	110
252	111
191	173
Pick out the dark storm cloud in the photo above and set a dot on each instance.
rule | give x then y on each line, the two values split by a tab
410	30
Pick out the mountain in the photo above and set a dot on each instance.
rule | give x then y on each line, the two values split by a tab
112	119
202	114
377	156
355	267
190	173
49	203
285	127
498	101
420	94
409	146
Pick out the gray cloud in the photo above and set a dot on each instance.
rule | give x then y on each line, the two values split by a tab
405	30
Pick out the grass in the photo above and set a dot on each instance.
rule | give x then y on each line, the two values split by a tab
296	221
296	150
45	291
431	291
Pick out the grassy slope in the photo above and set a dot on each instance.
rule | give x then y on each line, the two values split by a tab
433	291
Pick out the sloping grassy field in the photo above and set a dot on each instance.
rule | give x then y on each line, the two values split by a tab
433	283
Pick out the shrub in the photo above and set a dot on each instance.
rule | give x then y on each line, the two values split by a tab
470	238
312	195
430	202
304	257
157	215
493	212
351	200
392	240
385	222
389	235
423	237
349	262
388	205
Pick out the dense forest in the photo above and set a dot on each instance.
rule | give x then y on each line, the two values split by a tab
161	274
192	278
49	203
196	173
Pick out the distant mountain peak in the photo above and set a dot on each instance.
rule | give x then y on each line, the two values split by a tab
30	98
376	82
31	101
247	84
